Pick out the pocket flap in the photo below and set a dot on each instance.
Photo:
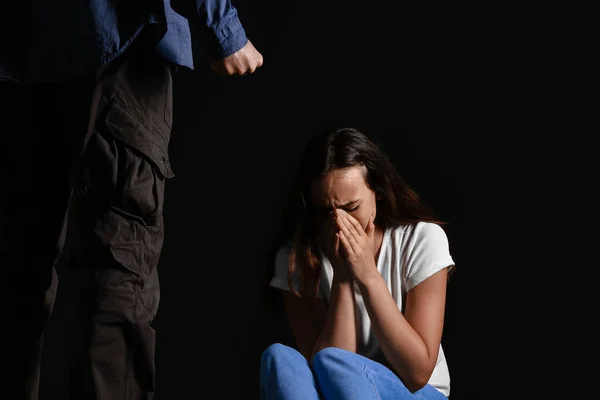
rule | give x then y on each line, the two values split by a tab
144	137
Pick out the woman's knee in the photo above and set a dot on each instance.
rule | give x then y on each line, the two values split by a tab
334	358
278	352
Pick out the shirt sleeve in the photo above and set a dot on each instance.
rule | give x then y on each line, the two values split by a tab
280	276
427	252
221	32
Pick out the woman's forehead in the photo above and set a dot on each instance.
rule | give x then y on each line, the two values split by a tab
339	186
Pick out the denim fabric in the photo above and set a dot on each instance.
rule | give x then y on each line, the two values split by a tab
336	374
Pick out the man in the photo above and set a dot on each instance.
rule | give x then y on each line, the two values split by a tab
86	121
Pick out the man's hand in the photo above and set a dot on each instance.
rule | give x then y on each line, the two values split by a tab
245	61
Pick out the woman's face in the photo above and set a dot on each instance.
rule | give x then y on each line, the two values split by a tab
345	189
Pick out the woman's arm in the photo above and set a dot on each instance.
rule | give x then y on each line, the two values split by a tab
318	326
306	321
340	323
411	341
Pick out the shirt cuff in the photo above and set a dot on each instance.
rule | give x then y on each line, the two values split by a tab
230	38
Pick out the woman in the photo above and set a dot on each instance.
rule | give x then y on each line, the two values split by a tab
363	282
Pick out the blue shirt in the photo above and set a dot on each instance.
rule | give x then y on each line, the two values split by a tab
50	41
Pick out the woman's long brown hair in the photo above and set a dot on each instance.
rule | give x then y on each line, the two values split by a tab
397	202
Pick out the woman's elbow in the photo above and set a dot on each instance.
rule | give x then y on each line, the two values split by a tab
414	385
417	380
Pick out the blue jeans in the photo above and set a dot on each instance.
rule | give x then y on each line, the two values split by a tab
336	374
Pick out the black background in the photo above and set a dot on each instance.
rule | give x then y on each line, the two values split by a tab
442	90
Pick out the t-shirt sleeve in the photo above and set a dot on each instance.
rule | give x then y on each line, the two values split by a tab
279	280
427	252
280	276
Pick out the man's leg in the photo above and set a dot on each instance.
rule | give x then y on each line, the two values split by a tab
34	198
119	197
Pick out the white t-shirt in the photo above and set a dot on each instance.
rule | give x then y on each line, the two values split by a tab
409	254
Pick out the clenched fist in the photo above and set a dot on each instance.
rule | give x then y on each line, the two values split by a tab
245	61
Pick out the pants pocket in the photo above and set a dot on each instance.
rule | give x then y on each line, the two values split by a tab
124	173
127	164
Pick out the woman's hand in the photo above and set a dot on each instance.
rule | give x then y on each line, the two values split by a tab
358	245
333	250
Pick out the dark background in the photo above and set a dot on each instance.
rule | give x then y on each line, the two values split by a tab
441	91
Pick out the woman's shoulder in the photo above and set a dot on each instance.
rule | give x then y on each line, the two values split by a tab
422	231
284	250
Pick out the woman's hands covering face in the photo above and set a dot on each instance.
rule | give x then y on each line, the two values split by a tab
333	249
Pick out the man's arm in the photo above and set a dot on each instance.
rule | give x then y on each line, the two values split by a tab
221	31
